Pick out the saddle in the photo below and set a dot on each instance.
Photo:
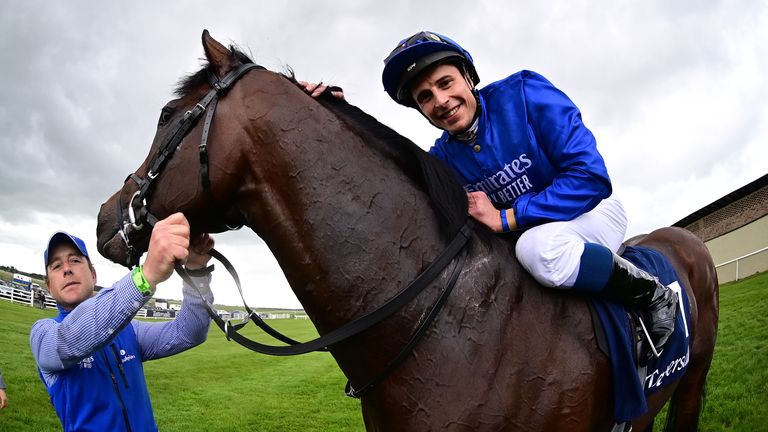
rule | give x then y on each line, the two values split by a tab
620	335
636	372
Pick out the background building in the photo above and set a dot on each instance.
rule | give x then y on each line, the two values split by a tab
735	230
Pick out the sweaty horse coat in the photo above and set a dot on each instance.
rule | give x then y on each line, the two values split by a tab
341	203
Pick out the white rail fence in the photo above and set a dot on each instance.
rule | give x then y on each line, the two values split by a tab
735	261
18	295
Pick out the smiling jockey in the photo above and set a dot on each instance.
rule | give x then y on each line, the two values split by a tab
519	145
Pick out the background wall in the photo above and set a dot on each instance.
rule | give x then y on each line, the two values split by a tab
734	226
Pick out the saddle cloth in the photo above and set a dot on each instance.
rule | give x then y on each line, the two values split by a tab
630	389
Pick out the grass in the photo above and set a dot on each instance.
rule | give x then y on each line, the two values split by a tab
221	386
737	388
218	386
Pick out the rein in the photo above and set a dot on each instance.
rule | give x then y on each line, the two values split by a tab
136	220
354	327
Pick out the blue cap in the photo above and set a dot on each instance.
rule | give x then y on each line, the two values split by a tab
60	237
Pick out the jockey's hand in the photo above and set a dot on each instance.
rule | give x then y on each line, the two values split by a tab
199	252
169	243
316	89
481	208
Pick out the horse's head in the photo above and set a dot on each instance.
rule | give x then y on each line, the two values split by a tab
297	170
181	173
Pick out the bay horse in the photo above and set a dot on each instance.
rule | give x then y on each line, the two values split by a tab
347	211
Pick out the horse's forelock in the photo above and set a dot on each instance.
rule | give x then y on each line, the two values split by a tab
194	80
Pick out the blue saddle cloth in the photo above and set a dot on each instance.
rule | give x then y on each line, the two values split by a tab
629	392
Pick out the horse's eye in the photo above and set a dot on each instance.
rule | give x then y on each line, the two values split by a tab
165	115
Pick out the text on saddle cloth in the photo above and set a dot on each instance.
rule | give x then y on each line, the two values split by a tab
630	392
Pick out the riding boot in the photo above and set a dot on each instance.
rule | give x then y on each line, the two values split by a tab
628	284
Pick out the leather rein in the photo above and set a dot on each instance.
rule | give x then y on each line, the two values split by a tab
133	219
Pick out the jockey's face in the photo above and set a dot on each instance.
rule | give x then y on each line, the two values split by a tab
444	95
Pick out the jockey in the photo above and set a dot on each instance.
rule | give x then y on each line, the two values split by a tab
528	162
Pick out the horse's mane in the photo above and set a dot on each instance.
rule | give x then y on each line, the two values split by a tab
447	196
446	193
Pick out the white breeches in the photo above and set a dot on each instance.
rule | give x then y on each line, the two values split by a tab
552	252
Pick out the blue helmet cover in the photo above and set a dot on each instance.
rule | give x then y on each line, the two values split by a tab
416	53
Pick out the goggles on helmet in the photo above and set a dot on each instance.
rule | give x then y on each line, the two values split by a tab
415	54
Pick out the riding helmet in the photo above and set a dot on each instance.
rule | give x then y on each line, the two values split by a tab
413	55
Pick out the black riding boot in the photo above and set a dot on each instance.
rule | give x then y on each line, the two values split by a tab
658	304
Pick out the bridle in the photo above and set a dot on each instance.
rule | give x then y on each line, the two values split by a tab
136	218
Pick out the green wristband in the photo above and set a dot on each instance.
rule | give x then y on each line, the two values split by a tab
137	274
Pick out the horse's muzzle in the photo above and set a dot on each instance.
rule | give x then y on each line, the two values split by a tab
109	242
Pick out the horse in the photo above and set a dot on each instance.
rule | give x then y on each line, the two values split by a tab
352	212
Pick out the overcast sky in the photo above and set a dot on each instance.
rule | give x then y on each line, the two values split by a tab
674	91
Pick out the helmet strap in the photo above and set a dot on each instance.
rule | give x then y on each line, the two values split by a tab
470	134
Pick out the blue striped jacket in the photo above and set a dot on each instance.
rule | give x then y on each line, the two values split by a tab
90	359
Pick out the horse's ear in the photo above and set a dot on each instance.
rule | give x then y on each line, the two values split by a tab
219	57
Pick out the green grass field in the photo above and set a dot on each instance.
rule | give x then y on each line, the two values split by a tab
221	386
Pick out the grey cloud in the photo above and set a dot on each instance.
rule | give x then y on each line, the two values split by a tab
84	81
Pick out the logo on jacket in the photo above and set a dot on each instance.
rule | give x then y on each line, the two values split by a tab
86	363
124	358
507	184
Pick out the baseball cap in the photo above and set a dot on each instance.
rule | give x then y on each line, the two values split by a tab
60	237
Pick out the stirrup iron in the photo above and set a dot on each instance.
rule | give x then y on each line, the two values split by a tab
657	354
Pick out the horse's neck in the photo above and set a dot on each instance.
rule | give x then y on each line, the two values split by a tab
347	226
